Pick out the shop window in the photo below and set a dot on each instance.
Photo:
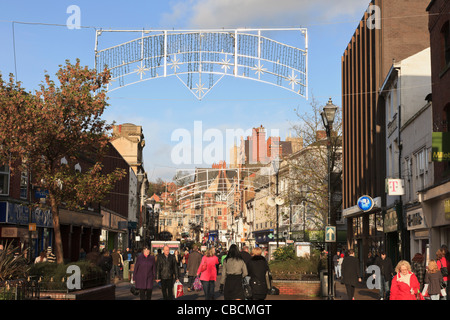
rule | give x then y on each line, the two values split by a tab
4	180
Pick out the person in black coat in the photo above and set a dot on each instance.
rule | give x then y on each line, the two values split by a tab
351	273
386	274
167	272
257	268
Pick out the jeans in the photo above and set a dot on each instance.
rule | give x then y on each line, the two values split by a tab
337	270
208	289
384	287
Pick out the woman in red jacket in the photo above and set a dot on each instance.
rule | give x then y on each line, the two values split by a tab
405	285
208	273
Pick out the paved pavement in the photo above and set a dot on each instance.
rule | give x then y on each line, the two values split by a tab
361	293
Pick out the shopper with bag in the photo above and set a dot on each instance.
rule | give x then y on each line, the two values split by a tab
257	270
442	264
167	272
195	257
434	282
144	274
207	273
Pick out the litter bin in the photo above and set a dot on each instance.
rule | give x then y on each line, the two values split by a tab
126	269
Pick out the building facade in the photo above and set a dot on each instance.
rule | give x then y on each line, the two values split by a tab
366	62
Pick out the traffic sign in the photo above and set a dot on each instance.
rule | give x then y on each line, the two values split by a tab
330	234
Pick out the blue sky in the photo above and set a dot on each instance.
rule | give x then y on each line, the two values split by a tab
164	105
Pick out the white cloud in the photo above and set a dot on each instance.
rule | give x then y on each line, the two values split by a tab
260	13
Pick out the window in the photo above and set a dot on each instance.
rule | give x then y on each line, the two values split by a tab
445	43
23	184
4	180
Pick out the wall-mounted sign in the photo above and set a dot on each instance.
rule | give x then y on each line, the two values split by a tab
415	219
440	146
396	187
365	203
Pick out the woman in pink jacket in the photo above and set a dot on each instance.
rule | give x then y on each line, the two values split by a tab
208	273
405	285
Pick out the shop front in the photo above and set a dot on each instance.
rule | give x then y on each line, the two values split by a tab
418	226
24	229
436	210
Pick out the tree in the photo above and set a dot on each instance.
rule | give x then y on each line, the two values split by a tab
38	130
307	169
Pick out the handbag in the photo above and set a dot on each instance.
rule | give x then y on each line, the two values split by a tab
134	291
197	284
444	270
247	289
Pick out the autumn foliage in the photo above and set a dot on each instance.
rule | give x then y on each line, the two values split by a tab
59	120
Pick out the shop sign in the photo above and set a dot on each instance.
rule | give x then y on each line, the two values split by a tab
395	187
440	146
415	220
447	208
390	221
365	203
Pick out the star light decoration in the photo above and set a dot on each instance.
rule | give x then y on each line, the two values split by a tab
293	81
200	89
175	63
226	64
141	70
259	70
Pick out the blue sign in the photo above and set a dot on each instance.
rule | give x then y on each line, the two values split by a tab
365	203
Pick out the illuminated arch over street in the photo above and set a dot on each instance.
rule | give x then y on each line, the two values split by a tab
201	58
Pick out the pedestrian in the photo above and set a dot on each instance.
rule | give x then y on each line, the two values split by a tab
405	285
82	255
117	263
257	270
94	256
234	271
145	273
50	256
442	265
433	281
105	263
336	265
351	273
167	272
208	273
185	260
42	257
386	274
245	254
177	256
418	268
447	257
195	257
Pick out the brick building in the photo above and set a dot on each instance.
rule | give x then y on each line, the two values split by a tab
389	31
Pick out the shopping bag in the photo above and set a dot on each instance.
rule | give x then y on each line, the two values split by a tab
186	279
198	284
178	290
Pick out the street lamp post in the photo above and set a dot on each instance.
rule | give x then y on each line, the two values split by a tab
328	114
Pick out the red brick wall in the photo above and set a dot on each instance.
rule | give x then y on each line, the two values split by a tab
298	288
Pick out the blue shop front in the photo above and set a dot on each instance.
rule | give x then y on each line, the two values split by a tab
25	228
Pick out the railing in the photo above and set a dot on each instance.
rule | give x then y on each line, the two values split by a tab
20	289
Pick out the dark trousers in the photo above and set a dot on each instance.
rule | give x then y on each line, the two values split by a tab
167	289
145	294
350	291
208	289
